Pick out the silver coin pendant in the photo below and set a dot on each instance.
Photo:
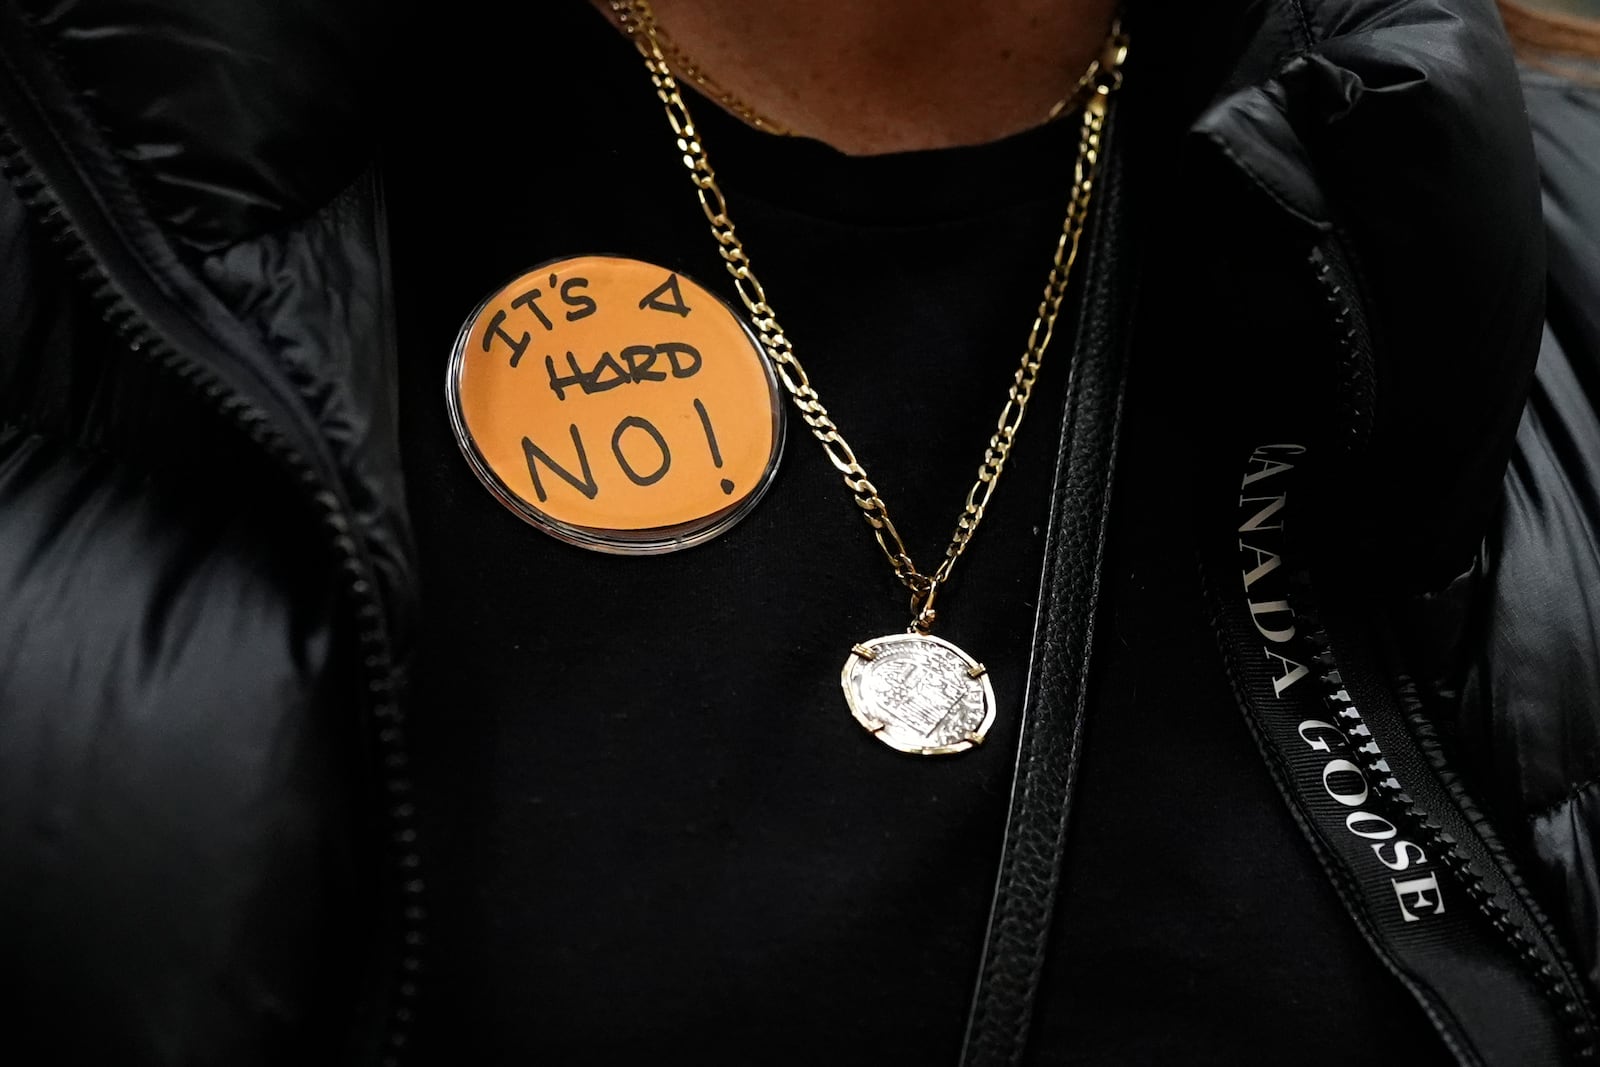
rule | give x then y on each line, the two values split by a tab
919	694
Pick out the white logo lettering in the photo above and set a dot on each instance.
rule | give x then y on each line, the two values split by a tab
1360	823
1418	889
1292	673
1345	782
1316	742
1402	859
1344	767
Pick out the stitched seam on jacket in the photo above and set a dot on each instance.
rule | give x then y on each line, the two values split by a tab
1273	193
330	215
1308	37
1572	794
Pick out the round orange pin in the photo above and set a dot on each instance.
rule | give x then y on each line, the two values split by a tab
616	404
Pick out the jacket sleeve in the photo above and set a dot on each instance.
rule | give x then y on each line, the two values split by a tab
177	880
1535	694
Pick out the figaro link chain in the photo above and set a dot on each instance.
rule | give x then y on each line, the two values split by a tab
1103	77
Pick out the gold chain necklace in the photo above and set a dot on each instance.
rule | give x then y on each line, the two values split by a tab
679	60
914	691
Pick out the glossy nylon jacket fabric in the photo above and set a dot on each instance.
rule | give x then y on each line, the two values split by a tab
205	593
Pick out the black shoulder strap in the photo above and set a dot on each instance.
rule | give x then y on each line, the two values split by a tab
1047	759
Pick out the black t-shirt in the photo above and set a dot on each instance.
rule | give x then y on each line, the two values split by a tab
654	830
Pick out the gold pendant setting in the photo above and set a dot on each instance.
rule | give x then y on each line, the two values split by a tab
919	694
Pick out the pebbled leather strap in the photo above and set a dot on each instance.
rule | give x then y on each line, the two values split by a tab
1052	723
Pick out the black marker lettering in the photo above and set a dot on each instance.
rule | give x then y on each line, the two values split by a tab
497	328
608	362
632	422
684	359
673	349
527	300
561	385
653	301
640	358
585	305
537	455
711	439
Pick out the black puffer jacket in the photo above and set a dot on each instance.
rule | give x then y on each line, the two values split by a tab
1323	212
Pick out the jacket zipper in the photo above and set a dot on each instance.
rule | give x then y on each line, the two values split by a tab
136	326
1540	955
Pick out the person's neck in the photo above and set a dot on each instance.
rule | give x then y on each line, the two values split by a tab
873	76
